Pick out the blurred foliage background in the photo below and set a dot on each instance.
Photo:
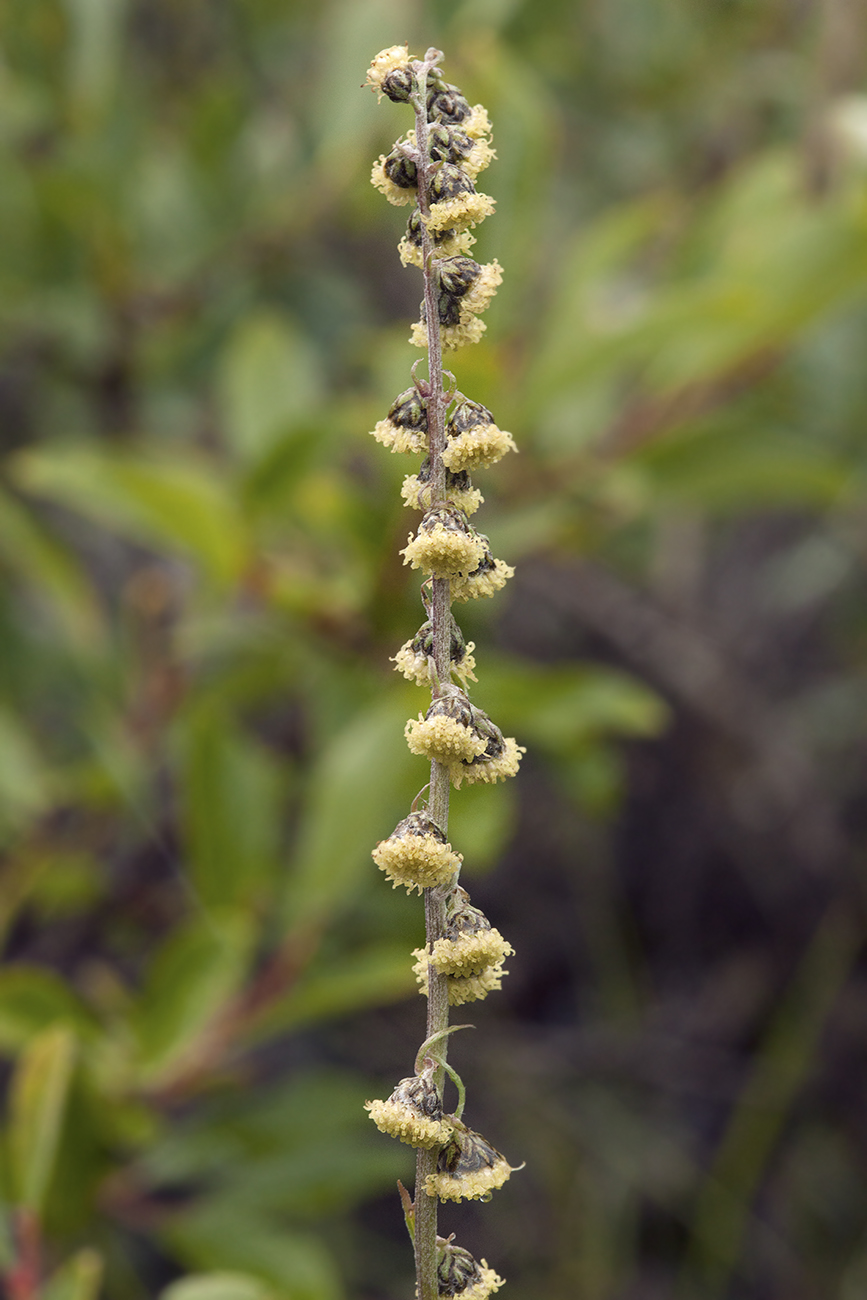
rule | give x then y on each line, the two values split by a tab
204	976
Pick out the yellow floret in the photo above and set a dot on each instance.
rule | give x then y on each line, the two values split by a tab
443	739
461	988
477	448
490	770
473	1186
416	861
470	954
474	586
382	182
406	1124
443	552
460	212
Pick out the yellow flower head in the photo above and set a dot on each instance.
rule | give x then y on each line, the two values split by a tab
396	191
412	659
498	767
459	490
444	546
470	954
413	1113
447	243
417	854
405	427
468	1168
462	1277
459	211
461	988
394	60
490	577
452	337
474	441
446	733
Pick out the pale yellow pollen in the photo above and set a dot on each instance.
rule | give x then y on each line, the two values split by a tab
443	739
416	861
477	448
476	1185
417	495
405	1123
384	63
475	586
382	182
460	211
398	439
415	666
461	988
470	954
490	770
443	552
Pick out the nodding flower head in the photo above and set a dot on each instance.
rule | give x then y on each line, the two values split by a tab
446	104
390	72
395	176
417	854
468	1168
460	492
455	203
413	1113
446	733
447	243
470	945
466	289
461	1277
474	441
452	145
444	546
413	657
489	577
405	427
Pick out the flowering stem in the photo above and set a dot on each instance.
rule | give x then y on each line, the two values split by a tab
440	784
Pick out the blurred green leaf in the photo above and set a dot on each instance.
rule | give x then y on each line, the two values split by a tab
178	503
271	383
336	986
294	1263
231	808
33	998
220	1286
353	789
26	783
37	1100
197	969
51	571
79	1279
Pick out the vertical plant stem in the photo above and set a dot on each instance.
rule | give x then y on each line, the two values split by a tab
434	899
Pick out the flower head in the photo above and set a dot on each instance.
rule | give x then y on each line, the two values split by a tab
413	657
417	854
390	72
468	1168
447	243
394	177
444	545
446	733
462	1277
405	427
489	577
459	490
474	441
452	145
413	1113
470	945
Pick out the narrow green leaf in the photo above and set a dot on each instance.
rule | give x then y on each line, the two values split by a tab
38	1094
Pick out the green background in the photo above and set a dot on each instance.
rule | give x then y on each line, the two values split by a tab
202	315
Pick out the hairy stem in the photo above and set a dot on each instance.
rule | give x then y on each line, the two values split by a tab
434	899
